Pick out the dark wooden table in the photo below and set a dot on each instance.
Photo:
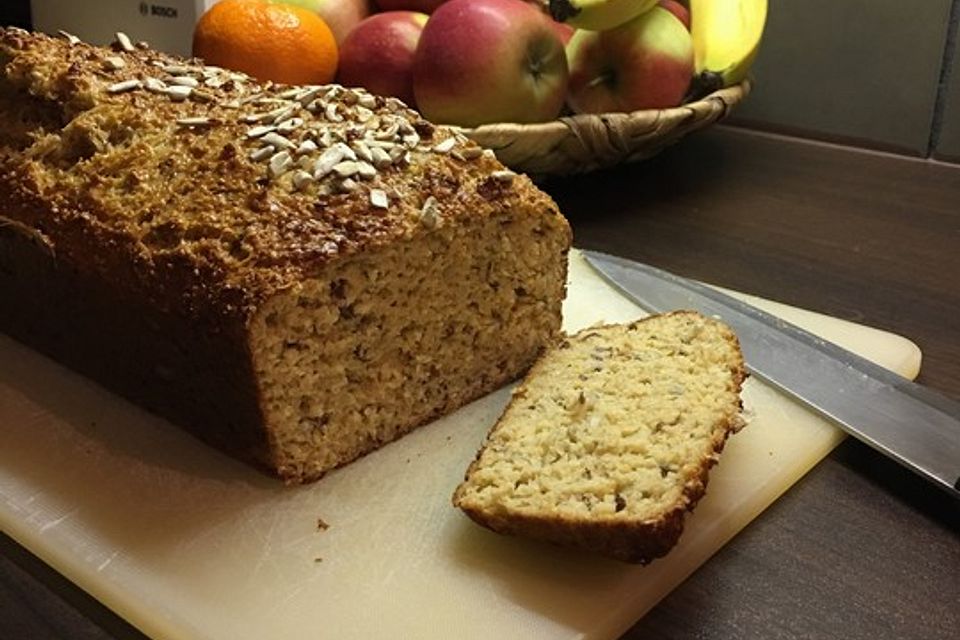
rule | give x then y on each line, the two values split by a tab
859	548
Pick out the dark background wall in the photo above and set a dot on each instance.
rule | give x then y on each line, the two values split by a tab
874	73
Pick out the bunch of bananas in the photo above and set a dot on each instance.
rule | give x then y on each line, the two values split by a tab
726	33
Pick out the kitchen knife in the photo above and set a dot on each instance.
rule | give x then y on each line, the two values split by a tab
915	426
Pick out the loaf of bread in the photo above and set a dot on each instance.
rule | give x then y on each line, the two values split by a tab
608	441
296	274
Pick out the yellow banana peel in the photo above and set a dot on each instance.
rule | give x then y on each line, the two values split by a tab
726	37
598	15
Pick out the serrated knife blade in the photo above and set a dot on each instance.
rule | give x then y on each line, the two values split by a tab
917	427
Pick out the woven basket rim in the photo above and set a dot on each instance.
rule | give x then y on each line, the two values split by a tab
728	95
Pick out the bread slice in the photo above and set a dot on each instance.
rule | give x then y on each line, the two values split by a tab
608	441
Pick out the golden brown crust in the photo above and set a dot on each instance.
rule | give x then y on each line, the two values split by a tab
100	168
628	540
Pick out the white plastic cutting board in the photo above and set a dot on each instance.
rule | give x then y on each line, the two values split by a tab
186	543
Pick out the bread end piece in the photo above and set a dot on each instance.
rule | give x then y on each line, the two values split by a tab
608	442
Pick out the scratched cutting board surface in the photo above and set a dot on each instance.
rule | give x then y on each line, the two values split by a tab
186	543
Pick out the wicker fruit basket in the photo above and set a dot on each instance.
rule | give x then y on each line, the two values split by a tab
583	143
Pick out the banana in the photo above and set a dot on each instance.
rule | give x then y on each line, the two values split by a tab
726	38
598	15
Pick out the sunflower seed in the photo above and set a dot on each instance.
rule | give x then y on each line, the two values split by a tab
305	163
215	82
301	179
397	153
363	151
347	168
122	87
176	69
368	101
196	122
184	81
306	96
430	213
331	113
262	153
279	163
363	114
307	146
471	153
277	141
366	170
316	106
326	138
178	93
114	63
378	198
345	150
152	84
289	93
327	161
506	177
289	125
381	159
389	133
446	145
347	185
284	113
71	39
395	105
411	140
261	130
124	41
488	153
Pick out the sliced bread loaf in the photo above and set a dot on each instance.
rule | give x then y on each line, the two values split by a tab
608	441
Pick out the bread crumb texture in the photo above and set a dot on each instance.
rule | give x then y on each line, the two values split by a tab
608	441
373	270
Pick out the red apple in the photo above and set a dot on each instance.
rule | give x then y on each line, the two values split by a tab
646	63
423	6
378	54
340	15
677	9
564	31
483	61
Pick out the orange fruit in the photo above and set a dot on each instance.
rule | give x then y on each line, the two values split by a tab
267	40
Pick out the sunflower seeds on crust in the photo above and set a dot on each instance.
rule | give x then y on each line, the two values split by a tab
381	159
71	39
378	198
301	179
196	122
184	81
178	93
262	153
260	131
124	86
430	213
114	63
280	162
277	141
446	145
124	41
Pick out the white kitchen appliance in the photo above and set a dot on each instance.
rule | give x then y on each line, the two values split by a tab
166	24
